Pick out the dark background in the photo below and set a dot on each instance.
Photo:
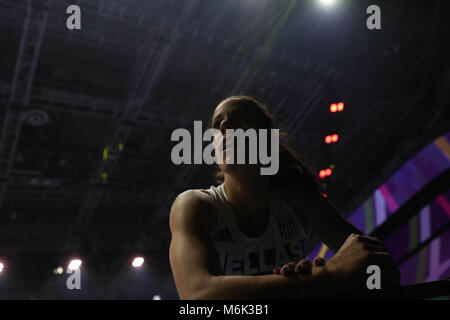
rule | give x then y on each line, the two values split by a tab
139	69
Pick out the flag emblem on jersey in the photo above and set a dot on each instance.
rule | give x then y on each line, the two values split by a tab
287	228
223	235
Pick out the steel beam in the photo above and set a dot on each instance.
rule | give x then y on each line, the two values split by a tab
33	30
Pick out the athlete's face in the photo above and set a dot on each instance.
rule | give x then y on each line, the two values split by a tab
232	116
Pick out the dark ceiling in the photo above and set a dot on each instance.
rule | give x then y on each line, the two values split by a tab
139	69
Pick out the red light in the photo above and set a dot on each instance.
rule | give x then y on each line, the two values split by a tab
333	107
334	137
322	174
324	195
328	139
328	172
340	106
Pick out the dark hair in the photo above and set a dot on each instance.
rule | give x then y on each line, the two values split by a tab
293	166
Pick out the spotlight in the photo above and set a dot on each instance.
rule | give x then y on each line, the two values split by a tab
327	2
1	267
331	138
156	297
336	107
58	270
137	262
322	174
335	137
74	264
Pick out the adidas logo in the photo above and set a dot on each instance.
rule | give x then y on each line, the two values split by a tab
223	235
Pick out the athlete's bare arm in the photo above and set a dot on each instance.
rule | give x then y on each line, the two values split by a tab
314	210
196	267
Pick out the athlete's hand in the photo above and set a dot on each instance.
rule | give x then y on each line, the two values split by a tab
303	266
348	267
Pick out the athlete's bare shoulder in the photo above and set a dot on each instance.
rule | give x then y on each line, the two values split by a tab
196	197
193	208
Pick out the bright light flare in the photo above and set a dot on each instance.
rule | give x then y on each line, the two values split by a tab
327	3
325	173
74	264
335	137
1	266
331	138
137	262
58	270
337	107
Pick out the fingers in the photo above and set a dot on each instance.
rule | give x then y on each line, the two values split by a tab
302	267
284	269
277	270
288	268
319	261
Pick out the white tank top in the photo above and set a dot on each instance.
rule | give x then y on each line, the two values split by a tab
283	240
